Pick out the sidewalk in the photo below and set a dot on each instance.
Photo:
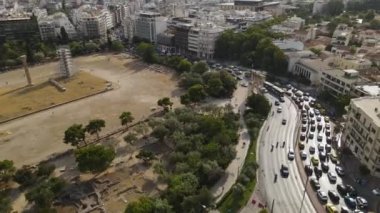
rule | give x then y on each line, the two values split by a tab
232	171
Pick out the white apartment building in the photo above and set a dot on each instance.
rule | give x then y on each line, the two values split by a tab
50	26
339	82
92	22
361	133
201	40
342	35
147	25
352	62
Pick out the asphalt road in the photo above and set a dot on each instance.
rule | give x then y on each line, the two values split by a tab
285	194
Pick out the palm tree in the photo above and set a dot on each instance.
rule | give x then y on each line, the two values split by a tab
126	118
95	126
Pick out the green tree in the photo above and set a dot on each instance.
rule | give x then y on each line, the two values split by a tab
64	36
7	169
95	126
94	158
130	138
370	15
160	132
117	46
149	205
147	52
146	156
44	193
199	67
126	118
165	103
184	66
196	93
182	185
45	170
375	24
74	135
5	202
189	79
25	176
258	104
334	7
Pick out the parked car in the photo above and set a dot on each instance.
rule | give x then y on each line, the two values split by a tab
350	202
332	177
339	170
314	183
308	170
361	202
284	171
322	196
334	196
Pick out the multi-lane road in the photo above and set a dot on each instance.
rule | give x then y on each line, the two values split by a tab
285	194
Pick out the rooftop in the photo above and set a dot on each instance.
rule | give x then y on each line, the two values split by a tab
373	90
370	106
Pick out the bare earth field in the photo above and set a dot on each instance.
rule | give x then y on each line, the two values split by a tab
137	88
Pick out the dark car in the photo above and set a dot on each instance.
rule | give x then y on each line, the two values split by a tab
342	189
314	183
334	196
320	147
308	170
339	170
276	103
282	99
318	172
312	150
344	209
328	140
312	128
361	202
351	191
332	177
350	202
322	196
322	156
284	171
325	166
328	148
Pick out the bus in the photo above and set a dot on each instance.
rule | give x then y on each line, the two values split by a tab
274	89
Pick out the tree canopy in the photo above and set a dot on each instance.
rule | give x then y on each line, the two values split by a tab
165	103
117	46
258	104
94	158
95	126
147	52
7	169
126	118
334	7
149	205
75	134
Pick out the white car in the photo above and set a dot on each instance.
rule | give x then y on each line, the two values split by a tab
291	155
279	109
376	191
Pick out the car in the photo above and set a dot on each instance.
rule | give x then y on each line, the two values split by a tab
308	170
333	158
312	121
327	126
312	149
283	122
282	99
314	183
312	128
350	202
319	127
304	128
325	166
291	155
351	191
304	115
332	177
284	170
344	209
301	145
314	161
321	148
319	118
304	121
279	109
327	119
322	156
311	135
376	191
303	155
322	196
334	196
319	138
328	148
317	112
302	136
328	133
311	114
330	208
307	106
341	188
339	170
305	98
361	202
318	172
328	140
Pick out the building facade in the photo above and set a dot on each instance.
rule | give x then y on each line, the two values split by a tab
361	133
339	82
148	25
201	40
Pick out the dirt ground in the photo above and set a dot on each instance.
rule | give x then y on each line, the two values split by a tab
16	101
33	138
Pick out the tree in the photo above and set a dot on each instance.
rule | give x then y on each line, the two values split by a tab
74	135
165	103
7	169
126	118
375	24
45	170
199	67
117	46
334	7
184	66
160	132
258	104
5	202
25	176
94	158
43	194
130	138
370	15
182	185
147	52
64	36
146	156
149	205
196	93
95	126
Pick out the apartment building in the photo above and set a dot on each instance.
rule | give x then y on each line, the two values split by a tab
18	27
342	35
50	26
201	41
147	25
339	82
361	133
92	22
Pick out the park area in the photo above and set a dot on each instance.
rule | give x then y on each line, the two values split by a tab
28	140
